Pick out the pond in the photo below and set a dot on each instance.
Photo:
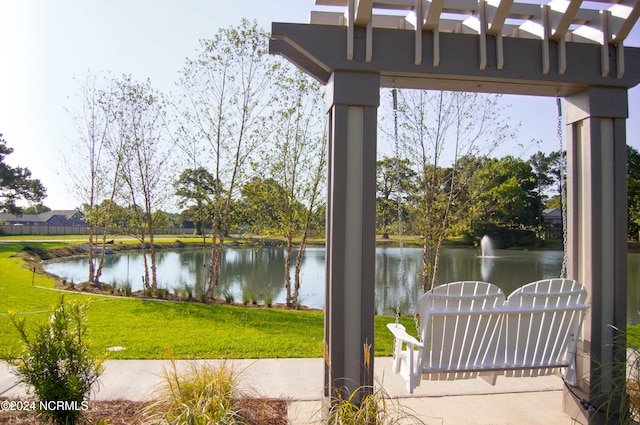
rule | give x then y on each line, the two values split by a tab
260	272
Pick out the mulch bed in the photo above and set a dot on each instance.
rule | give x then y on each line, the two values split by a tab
258	411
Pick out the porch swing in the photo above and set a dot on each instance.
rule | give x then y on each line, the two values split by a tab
470	329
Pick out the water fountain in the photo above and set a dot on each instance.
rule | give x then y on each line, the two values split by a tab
486	252
486	247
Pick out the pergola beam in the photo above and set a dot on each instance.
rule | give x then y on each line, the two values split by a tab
309	46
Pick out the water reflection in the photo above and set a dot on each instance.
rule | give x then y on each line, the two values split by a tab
261	273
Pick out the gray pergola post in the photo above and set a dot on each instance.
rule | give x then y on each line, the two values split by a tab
353	100
596	235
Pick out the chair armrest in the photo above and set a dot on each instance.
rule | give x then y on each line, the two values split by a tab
401	334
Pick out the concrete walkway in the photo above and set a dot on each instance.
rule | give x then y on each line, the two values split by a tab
529	401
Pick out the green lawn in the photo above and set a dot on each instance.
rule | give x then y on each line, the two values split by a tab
148	329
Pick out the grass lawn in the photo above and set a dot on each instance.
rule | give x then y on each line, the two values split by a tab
148	329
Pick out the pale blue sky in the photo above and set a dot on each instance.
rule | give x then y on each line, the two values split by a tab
45	44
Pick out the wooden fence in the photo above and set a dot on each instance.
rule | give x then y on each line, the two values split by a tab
73	230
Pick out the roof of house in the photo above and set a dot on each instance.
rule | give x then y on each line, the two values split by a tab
552	213
46	216
36	218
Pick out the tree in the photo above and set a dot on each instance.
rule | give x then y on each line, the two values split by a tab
513	197
195	188
542	167
437	130
224	94
16	184
93	164
394	179
36	209
633	190
505	201
261	206
296	160
140	138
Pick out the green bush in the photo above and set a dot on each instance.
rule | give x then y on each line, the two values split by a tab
376	407
204	395
366	405
56	363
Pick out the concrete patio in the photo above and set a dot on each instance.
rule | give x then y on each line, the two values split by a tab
511	401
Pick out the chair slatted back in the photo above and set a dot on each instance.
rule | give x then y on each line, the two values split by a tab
541	323
459	330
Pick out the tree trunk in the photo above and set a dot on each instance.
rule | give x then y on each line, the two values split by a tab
436	261
143	249
92	277
287	271
426	265
296	290
152	249
214	269
102	254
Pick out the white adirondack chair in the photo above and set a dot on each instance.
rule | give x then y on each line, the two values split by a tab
541	328
459	327
468	330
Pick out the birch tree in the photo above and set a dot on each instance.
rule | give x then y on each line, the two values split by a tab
297	161
141	139
224	93
94	168
439	130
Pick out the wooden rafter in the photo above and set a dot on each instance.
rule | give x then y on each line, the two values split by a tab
567	18
604	22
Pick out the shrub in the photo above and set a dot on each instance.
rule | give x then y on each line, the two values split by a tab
269	295
188	291
228	296
124	287
162	293
205	394
366	405
619	403
203	297
247	296
55	361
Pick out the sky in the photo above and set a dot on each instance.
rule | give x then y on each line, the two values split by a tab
47	46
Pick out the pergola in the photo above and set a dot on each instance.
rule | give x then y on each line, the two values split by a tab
568	48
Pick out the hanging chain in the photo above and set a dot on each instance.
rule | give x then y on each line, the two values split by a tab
401	271
563	191
402	267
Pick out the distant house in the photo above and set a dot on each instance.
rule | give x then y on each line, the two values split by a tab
50	218
553	223
552	217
